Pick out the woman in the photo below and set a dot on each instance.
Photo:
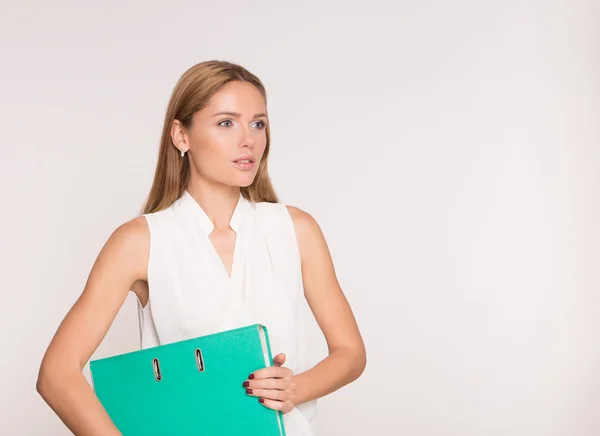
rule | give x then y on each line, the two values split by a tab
213	250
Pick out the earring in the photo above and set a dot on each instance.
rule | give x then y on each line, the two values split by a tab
183	152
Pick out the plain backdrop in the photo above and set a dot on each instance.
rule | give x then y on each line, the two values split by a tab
448	149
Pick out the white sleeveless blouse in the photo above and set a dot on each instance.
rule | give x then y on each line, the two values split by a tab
191	294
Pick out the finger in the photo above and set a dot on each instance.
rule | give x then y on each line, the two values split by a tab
279	360
271	394
284	406
268	383
271	372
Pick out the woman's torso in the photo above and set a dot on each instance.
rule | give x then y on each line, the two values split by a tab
190	292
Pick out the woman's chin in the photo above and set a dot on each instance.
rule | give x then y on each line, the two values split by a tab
243	182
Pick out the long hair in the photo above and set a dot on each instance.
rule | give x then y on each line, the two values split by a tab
192	93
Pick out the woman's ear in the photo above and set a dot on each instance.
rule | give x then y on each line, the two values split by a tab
179	136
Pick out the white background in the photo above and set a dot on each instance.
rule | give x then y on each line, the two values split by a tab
449	150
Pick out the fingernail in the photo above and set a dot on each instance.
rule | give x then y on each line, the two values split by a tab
262	400
248	391
246	384
251	376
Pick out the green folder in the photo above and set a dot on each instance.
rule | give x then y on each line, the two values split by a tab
190	387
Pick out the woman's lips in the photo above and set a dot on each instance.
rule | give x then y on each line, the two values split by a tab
243	164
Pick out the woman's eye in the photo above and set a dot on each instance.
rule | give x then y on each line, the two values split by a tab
261	124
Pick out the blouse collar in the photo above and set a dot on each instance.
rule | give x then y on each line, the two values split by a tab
205	222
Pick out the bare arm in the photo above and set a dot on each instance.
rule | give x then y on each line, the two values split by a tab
347	355
121	262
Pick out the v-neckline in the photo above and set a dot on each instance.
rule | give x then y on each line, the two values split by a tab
207	227
217	257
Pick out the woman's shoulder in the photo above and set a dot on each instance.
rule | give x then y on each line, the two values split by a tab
133	231
161	218
128	246
281	208
271	212
299	216
303	223
306	226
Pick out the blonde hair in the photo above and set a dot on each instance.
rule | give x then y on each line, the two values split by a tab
192	93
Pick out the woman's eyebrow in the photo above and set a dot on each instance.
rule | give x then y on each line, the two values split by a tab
237	114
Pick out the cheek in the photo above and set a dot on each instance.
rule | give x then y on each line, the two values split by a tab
212	147
260	147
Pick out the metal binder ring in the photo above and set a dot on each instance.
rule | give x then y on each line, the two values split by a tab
157	374
199	360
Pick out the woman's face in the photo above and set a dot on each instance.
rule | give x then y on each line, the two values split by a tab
228	137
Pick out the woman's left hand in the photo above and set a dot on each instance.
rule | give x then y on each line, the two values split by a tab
274	386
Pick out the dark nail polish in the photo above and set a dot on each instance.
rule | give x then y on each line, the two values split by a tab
246	384
262	400
251	376
248	391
